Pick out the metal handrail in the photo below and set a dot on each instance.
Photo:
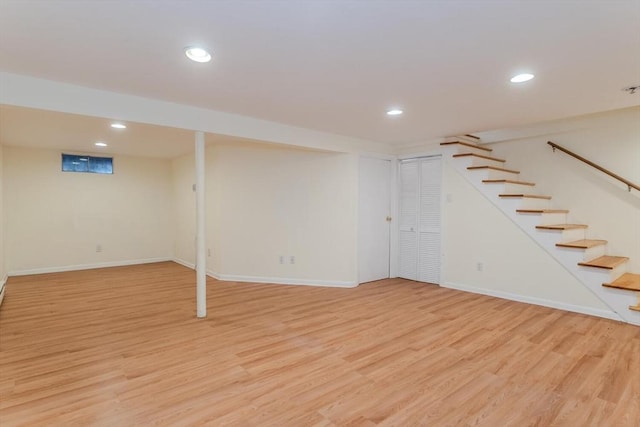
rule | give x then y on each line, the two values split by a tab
628	183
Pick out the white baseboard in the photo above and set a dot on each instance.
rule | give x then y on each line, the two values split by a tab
598	312
271	280
283	280
2	287
184	263
87	266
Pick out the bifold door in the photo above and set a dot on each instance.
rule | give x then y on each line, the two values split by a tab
419	220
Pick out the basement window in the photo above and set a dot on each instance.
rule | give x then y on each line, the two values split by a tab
90	164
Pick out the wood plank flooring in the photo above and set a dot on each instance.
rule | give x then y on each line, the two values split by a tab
122	347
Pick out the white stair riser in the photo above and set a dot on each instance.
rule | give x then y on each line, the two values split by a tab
582	255
468	161
553	218
573	235
463	149
595	252
518	188
602	275
529	220
480	161
529	203
494	174
512	204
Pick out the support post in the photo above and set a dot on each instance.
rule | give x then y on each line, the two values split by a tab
201	259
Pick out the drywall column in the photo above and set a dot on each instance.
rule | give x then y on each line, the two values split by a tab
201	259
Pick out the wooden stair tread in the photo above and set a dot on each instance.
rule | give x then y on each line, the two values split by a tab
582	244
480	156
467	144
561	226
493	168
541	211
526	196
507	181
628	281
634	307
608	262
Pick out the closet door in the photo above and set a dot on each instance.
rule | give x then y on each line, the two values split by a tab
419	222
429	220
408	221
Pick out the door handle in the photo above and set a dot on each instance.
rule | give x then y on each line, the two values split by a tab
388	219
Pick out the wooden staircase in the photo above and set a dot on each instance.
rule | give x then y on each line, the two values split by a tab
585	258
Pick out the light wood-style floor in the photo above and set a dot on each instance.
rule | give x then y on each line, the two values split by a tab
122	347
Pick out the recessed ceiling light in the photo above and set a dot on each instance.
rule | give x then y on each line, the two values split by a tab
394	112
520	78
118	125
197	54
101	144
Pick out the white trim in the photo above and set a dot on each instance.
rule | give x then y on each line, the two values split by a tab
282	280
598	312
3	282
87	266
271	280
184	263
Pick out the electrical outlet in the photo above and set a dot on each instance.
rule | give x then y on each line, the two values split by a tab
281	259
98	247
479	266
292	259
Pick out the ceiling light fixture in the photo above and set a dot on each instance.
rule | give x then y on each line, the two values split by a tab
101	144
197	54
394	112
521	78
118	125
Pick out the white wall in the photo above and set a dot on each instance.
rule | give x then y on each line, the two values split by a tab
513	266
2	268
183	177
611	139
264	201
55	220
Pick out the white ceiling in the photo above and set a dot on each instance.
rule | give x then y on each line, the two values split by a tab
336	66
27	127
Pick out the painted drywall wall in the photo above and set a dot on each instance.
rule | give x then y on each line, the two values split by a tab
2	268
184	208
57	219
611	139
513	266
264	202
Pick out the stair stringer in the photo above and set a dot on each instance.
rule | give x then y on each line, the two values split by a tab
616	299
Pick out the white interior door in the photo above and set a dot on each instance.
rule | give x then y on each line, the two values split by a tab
429	225
408	220
419	222
374	210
